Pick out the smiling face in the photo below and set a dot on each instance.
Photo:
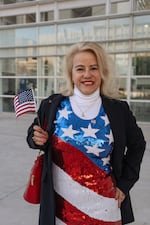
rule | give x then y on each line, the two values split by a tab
85	72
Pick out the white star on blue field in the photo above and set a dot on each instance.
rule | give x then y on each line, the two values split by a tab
94	139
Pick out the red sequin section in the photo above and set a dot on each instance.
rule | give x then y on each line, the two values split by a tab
82	169
70	215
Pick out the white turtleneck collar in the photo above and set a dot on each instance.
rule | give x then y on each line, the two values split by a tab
89	105
82	97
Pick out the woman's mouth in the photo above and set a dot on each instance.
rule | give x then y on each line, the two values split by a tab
87	83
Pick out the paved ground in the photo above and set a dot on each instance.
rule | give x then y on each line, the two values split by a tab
16	160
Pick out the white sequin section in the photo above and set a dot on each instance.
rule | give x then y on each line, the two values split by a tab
87	201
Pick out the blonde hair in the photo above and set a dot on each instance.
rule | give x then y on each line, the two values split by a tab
107	86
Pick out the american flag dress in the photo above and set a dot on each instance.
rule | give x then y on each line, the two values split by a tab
83	183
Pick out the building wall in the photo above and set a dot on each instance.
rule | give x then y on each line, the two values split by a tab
35	35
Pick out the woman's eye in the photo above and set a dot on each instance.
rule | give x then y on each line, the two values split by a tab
80	69
94	68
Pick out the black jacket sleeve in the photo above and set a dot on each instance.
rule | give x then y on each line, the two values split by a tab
39	120
135	146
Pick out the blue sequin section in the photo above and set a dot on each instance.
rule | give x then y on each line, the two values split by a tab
92	137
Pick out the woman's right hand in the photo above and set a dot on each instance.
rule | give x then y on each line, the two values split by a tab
40	136
120	196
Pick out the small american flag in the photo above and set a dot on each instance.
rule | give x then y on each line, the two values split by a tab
24	102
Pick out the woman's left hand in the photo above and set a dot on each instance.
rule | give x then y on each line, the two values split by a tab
120	196
40	136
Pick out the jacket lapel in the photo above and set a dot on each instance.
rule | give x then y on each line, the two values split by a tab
117	124
108	105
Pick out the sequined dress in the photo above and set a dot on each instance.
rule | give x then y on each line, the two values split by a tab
83	184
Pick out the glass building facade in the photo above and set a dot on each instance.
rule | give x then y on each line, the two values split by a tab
35	35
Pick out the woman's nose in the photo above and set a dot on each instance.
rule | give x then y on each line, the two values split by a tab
87	73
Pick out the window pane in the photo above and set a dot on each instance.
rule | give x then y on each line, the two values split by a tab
25	36
86	31
141	45
7	67
121	64
19	19
141	64
122	82
13	1
6	104
141	5
70	32
11	86
119	28
8	20
141	26
47	35
49	50
62	49
82	12
18	67
45	87
7	86
99	30
65	14
59	65
18	37
140	88
120	7
47	66
47	16
18	52
60	85
118	46
26	52
30	18
25	83
141	111
7	1
7	38
98	10
26	67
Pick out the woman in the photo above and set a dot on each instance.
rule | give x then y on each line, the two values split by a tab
93	146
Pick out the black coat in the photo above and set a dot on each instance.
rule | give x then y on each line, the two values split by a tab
128	138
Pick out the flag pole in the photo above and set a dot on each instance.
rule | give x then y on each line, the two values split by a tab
39	123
